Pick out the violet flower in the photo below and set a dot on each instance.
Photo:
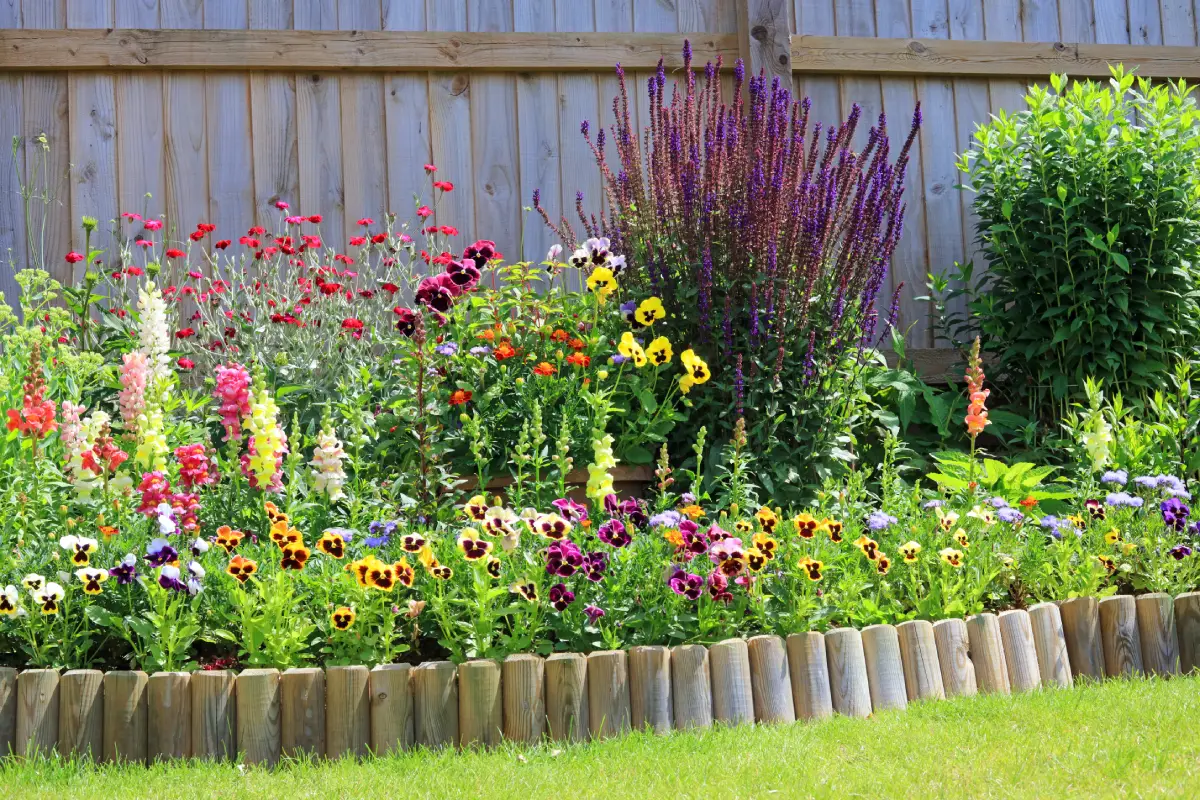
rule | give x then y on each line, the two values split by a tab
126	571
561	597
614	533
1174	513
593	613
160	552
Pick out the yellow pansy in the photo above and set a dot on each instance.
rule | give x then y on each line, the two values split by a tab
650	311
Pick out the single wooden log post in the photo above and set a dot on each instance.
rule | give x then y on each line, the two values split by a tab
1187	624
391	709
764	37
808	667
849	690
1020	653
347	711
885	670
259	702
567	697
435	704
81	714
522	680
918	653
214	715
770	680
1050	642
169	719
1081	625
954	657
302	723
37	711
733	697
1119	636
8	711
608	693
126	716
480	704
1156	631
650	703
691	687
987	654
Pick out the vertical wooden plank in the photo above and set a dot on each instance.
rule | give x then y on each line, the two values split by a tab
522	680
954	657
1001	20
579	101
770	680
1075	21
406	119
650	16
885	669
302	728
650	698
93	131
1187	622
319	133
185	131
1020	653
987	654
733	696
708	16
214	715
1110	20
764	38
973	20
347	711
1156	629
1119	636
614	16
126	714
1145	22
1039	20
608	693
8	711
809	668
81	713
1054	666
273	124
918	652
13	235
539	143
141	166
691	686
449	120
168	696
363	129
230	145
1081	625
258	711
391	709
815	18
660	16
37	711
849	691
480	704
1178	22
435	707
567	697
857	18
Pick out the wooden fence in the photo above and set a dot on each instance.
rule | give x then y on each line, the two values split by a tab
261	715
217	109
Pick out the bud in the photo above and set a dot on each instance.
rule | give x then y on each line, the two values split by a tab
91	277
89	223
463	418
602	374
733	509
520	381
153	268
281	359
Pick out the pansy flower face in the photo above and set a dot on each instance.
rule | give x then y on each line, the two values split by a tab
412	542
806	525
159	552
946	519
552	526
812	568
633	351
48	598
361	569
960	538
882	564
659	351
91	579
241	568
33	582
868	546
342	618
126	571
951	556
729	556
743	526
765	544
767	519
476	508
493	567
80	548
834	528
274	515
1112	536
9	600
228	539
332	545
441	572
294	556
283	535
650	311
1096	509
381	576
526	589
910	550
570	510
602	282
561	597
696	367
1108	563
755	559
499	521
473	548
984	514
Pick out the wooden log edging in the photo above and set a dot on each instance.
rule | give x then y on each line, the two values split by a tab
263	715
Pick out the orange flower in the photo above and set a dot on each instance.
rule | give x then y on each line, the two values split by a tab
294	556
241	568
487	335
1028	503
977	415
109	530
559	335
504	350
579	360
545	369
576	344
460	397
228	539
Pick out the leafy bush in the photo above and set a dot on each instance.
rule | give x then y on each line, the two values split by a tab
1089	220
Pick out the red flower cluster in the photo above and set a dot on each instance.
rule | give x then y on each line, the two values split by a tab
196	466
35	417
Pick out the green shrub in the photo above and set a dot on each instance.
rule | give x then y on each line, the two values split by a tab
1089	220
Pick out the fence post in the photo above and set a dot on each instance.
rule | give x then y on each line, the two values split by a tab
764	38
37	711
125	716
214	715
885	672
733	699
391	709
1156	631
81	713
918	653
302	712
650	688
258	714
691	685
849	691
1054	666
1187	623
770	680
170	716
809	670
522	681
1081	624
8	711
608	693
347	711
954	657
435	706
987	653
1020	653
1119	636
567	697
480	705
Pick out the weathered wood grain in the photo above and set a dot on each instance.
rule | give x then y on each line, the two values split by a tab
1156	631
885	669
523	684
954	657
168	716
650	688
770	680
567	697
302	722
1050	641
81	713
733	698
480	704
259	735
1081	624
435	692
608	693
850	692
214	715
347	711
37	711
918	652
808	667
987	654
391	709
1020	652
691	686
1119	636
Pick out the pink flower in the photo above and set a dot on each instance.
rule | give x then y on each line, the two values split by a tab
430	168
281	205
73	257
424	211
153	224
132	397
233	390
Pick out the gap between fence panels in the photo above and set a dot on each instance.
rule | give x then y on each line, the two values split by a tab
264	715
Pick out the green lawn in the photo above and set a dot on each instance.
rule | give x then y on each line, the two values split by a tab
1125	738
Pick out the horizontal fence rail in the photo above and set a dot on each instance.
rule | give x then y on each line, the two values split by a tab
264	715
398	51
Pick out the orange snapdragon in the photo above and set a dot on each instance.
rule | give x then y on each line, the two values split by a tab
977	415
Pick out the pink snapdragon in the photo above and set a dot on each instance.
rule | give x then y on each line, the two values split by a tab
132	397
196	466
156	489
233	390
